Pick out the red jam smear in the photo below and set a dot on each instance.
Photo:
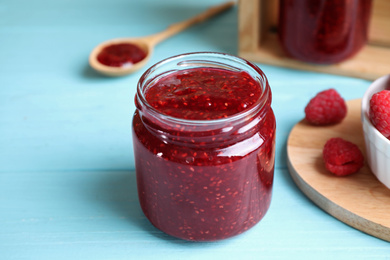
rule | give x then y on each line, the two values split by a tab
323	31
204	186
123	54
204	93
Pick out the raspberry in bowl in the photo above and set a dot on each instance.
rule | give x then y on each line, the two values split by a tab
377	145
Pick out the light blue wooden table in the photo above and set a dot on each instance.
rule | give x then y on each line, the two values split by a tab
67	182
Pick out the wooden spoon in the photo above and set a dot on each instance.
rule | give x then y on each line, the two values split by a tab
147	43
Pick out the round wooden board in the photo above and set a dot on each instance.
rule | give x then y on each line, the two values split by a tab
358	200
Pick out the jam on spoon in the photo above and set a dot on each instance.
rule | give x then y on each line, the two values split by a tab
122	54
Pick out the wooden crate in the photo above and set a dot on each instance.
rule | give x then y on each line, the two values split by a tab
258	41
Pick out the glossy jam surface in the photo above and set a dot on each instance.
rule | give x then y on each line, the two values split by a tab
204	93
123	54
323	31
199	184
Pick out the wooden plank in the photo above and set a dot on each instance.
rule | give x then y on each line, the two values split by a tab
379	30
370	63
249	27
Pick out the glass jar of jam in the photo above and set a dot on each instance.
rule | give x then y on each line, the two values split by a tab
204	145
323	31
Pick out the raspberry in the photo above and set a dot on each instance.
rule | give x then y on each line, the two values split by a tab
342	157
380	112
326	108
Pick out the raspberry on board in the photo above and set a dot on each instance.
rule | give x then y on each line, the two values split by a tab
326	108
342	157
380	112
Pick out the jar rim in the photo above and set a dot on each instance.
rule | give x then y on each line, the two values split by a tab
264	98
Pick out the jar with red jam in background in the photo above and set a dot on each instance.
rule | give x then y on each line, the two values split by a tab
323	31
204	145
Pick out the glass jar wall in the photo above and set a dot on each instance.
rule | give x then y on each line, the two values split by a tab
323	31
204	144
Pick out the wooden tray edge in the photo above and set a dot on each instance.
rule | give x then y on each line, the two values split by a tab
335	210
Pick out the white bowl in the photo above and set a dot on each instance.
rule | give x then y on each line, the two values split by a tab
377	145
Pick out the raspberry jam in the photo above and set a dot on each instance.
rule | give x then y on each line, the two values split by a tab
122	54
204	144
192	93
323	31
